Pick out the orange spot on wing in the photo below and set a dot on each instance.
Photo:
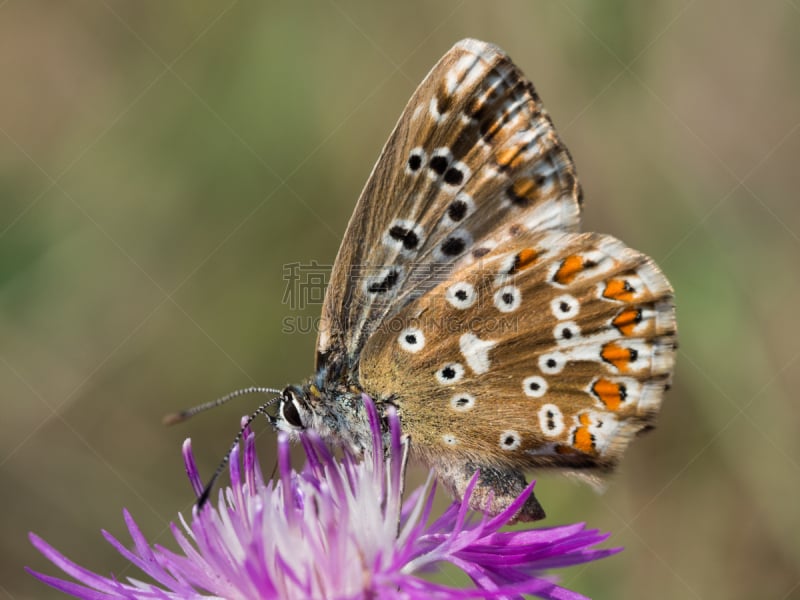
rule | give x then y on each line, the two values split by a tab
582	439
524	191
619	356
525	188
509	157
627	320
609	393
570	267
619	289
525	258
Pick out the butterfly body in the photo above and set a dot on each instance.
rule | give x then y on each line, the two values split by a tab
464	296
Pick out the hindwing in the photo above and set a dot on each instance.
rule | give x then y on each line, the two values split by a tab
554	350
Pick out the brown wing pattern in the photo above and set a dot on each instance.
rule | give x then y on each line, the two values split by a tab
553	350
473	161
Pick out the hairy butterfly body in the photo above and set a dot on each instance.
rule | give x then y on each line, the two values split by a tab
464	296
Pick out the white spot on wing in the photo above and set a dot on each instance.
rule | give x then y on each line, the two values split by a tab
412	339
552	362
510	440
383	282
451	81
534	386
603	426
507	299
414	229
461	295
439	152
434	110
476	352
551	420
450	373
465	202
565	307
567	332
466	173
463	241
423	158
462	402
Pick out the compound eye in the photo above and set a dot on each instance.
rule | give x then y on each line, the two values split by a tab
290	412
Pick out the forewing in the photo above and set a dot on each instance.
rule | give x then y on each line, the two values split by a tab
473	161
552	351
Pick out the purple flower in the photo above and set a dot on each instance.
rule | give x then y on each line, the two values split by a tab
337	529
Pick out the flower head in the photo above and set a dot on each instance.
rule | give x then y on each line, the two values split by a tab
336	529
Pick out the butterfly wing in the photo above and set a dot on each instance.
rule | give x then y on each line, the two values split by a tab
473	161
554	350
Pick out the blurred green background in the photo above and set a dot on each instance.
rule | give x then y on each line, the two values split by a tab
161	162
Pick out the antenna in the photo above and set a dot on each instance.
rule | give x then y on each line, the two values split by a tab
261	410
184	415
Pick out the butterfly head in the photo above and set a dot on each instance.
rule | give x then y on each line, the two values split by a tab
333	411
294	410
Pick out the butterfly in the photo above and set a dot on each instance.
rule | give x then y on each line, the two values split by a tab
464	296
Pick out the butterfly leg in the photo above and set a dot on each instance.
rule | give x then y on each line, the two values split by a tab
495	490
